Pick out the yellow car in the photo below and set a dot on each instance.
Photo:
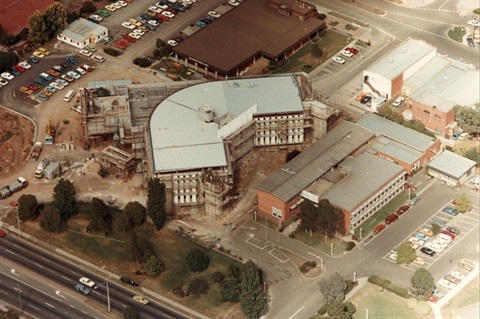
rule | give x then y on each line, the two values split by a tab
140	299
426	231
43	51
38	54
135	22
419	261
111	8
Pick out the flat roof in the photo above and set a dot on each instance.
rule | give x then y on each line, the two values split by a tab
451	164
180	140
247	31
397	150
402	58
82	29
315	161
365	174
397	132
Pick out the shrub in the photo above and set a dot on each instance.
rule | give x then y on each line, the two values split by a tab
374	279
88	7
323	309
412	303
350	285
322	16
142	62
399	291
112	51
350	246
197	260
307	266
218	276
198	286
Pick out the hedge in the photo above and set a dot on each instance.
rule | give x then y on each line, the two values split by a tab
387	284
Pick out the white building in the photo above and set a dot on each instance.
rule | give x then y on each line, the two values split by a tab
81	33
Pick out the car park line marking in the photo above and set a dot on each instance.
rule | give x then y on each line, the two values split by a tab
314	255
275	252
49	305
296	312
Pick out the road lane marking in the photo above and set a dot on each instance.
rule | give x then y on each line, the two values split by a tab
314	255
49	305
296	312
38	265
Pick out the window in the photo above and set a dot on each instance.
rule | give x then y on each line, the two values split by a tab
426	112
274	211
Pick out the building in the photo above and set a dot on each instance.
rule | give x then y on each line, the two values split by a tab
81	33
452	168
255	29
14	14
399	144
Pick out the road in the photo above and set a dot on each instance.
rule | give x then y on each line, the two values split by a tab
64	276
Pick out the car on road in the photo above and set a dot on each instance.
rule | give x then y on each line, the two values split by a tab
338	60
140	299
82	288
32	59
74	75
449	210
427	251
398	101
7	76
97	58
419	261
378	229
214	14
72	60
87	282
402	210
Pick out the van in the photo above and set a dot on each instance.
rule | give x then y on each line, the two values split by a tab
69	96
390	219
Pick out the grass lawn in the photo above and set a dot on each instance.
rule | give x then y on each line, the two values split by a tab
382	305
379	217
467	296
317	241
456	33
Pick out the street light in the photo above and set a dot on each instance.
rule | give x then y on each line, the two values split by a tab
108	291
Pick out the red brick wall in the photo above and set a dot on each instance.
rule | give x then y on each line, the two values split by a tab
266	201
397	84
433	119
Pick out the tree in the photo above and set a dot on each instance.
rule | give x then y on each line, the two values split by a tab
405	253
231	289
103	171
323	218
136	211
473	154
136	253
156	202
88	7
64	198
55	18
341	310
436	228
198	286
27	207
333	288
422	282
52	220
468	117
101	217
154	266
38	30
130	313
252	297
7	60
197	260
463	204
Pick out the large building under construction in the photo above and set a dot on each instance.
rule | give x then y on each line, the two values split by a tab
190	135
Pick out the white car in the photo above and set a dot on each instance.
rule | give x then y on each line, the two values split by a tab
3	82
168	14
7	76
457	274
398	101
98	58
80	70
121	3
155	9
233	2
446	284
25	65
346	53
74	75
87	282
85	53
474	23
161	6
214	14
111	7
128	25
96	17
419	261
393	255
56	85
77	109
62	82
138	31
338	60
153	22
172	42
135	35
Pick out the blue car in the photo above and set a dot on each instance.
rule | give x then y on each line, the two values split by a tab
32	59
14	72
201	24
50	89
422	237
40	81
450	211
41	97
72	60
439	223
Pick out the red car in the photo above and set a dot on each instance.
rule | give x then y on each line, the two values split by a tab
446	232
352	50
379	229
2	233
19	68
129	38
122	44
390	219
31	87
162	17
402	210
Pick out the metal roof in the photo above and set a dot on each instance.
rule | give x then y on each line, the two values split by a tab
365	175
397	132
315	161
402	58
180	140
397	150
451	164
81	29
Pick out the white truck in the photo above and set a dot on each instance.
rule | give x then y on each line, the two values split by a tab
41	167
19	184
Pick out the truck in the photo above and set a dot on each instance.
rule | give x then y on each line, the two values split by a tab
37	149
19	184
41	167
5	192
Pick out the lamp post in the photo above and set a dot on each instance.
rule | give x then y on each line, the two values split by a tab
19	297
108	291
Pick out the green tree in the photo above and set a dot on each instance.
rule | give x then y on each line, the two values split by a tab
64	198
468	117
198	286
341	310
55	18
154	266
405	253
130	313
463	204
27	207
136	253
252	297
123	222
7	60
156	202
324	218
38	30
436	228
51	219
88	7
333	288
197	260
473	154
136	211
101	219
422	282
231	289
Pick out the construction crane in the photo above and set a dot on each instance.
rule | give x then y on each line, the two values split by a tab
49	133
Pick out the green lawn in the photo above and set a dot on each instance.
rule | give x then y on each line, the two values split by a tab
382	305
467	296
379	217
317	241
456	33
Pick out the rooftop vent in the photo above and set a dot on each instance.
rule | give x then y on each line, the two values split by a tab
205	113
236	85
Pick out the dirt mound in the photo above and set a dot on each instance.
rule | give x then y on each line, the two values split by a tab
16	135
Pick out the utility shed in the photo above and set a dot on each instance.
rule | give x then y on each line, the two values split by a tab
452	168
117	160
52	170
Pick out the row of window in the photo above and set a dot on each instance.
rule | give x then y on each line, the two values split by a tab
277	212
186	199
437	116
275	132
278	141
182	191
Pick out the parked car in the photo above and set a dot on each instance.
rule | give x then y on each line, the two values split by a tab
398	101
366	99
103	13
98	58
440	223
419	261
85	53
32	59
56	85
446	232
7	76
107	40
41	96
471	42
346	53
40	81
38	54
2	233
402	210
437	293
446	284
128	25
68	78
378	229
457	274
201	24
72	60
414	200
44	51
456	135
426	231
390	219
453	230
74	75
96	17
214	14
172	42
62	82
449	210
422	237
338	60
353	50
